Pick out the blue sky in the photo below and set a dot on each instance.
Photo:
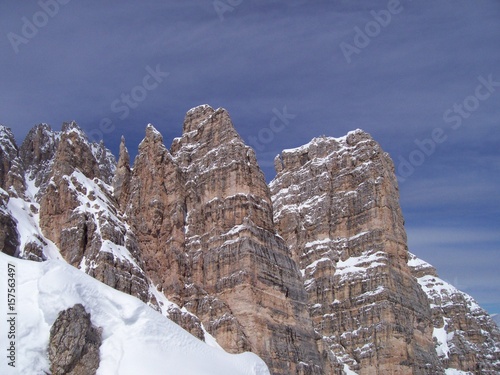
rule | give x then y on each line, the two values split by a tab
423	77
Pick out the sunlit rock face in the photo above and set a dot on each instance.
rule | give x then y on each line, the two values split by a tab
312	272
202	214
336	204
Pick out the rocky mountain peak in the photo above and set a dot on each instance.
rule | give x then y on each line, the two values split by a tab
336	205
37	153
122	176
312	273
153	135
195	116
10	168
105	159
124	157
74	152
7	140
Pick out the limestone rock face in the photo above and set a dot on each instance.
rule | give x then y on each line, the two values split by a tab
312	273
202	214
74	343
37	153
122	176
9	236
80	215
156	214
235	256
12	185
465	336
336	205
11	168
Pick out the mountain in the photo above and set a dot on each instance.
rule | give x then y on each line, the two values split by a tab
312	272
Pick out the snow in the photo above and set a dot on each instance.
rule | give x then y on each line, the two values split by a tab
314	142
6	137
166	305
348	371
415	262
452	371
441	337
360	264
136	339
311	268
440	292
341	141
200	107
28	227
119	252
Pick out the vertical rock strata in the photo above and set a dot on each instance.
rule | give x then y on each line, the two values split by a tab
74	343
79	214
336	205
311	273
466	337
11	168
202	214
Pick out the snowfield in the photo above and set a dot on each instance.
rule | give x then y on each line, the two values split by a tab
135	338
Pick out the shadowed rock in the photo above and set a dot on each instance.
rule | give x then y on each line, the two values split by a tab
74	343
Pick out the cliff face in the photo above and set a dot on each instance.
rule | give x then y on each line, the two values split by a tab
311	273
79	214
336	205
466	337
202	214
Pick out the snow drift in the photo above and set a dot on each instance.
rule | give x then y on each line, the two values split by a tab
135	338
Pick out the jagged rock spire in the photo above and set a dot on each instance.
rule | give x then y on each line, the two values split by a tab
121	179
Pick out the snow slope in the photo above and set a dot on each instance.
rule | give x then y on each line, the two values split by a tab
136	339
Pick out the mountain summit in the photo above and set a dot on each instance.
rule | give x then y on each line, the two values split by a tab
311	273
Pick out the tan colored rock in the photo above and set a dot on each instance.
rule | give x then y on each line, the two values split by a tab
336	205
337	287
202	215
37	153
74	343
80	215
235	255
122	177
156	213
11	168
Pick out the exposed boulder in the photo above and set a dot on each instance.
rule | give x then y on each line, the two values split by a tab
74	343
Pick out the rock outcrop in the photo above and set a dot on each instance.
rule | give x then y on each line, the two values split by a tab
9	235
235	255
74	343
11	168
336	205
122	177
202	214
80	215
37	153
312	273
466	337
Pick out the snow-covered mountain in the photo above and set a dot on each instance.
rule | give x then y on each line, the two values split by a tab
135	338
311	273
